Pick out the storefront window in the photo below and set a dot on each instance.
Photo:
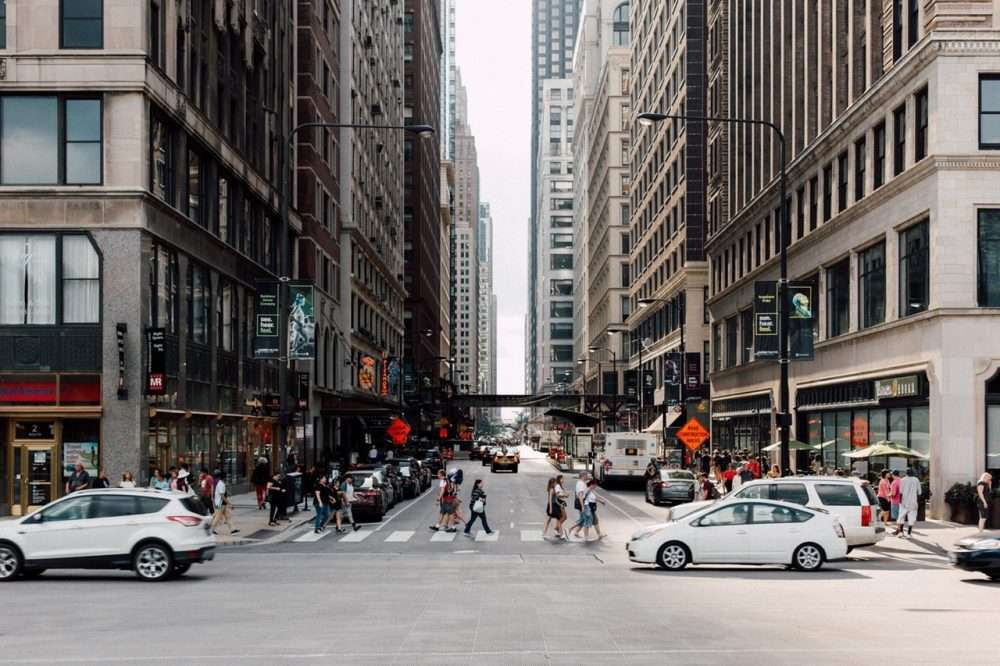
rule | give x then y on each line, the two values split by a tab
898	427
859	429
877	426
27	279
829	440
993	439
162	441
232	453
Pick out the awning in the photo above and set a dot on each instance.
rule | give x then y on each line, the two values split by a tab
579	419
656	426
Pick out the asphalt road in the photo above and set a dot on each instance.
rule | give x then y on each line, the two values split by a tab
516	600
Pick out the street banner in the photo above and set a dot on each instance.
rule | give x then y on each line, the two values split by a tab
631	388
156	361
800	322
672	368
266	332
301	321
384	381
409	378
366	373
393	374
648	386
765	317
302	390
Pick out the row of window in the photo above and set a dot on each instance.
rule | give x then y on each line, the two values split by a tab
50	140
81	24
49	279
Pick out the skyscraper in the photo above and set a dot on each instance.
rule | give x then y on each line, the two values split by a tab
464	269
448	74
554	27
487	303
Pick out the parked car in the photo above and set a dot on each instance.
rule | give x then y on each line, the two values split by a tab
431	458
739	531
156	534
671	485
371	495
477	451
979	553
411	477
505	459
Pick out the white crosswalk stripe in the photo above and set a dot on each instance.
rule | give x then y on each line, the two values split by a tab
400	536
443	536
492	536
531	535
357	537
311	536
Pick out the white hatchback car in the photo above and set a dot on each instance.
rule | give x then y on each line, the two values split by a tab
738	531
157	534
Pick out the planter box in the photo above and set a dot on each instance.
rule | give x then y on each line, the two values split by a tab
995	513
965	514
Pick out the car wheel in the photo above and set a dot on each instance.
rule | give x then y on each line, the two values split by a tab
808	557
153	562
10	562
181	569
992	574
515	469
673	556
493	469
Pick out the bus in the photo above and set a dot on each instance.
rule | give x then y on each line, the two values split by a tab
623	457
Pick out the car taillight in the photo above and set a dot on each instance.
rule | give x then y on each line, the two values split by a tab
186	521
661	484
866	516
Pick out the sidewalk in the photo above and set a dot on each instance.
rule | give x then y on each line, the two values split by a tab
935	537
252	523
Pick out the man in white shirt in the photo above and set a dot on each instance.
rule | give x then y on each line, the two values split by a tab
373	454
909	490
220	499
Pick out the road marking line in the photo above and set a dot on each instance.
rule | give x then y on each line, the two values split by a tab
309	537
388	519
512	524
443	536
532	535
619	509
483	536
400	536
357	537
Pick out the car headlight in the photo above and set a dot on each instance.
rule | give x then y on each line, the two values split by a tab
986	544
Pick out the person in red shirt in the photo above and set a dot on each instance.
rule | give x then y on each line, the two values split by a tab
755	468
727	477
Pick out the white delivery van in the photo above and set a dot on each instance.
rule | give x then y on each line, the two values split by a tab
624	457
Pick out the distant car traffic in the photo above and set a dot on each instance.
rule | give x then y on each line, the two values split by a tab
670	485
738	531
156	534
488	453
507	459
979	553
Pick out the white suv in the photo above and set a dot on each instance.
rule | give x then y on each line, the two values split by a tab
157	534
852	501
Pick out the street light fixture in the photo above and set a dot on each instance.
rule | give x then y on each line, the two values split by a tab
647	119
423	131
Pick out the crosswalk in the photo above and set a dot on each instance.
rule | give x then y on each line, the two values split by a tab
408	536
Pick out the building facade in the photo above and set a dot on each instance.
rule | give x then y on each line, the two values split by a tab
892	205
667	269
464	261
554	27
448	75
487	324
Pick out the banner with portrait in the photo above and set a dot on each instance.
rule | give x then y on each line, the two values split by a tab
301	321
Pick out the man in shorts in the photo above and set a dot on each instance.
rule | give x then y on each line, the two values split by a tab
347	498
444	511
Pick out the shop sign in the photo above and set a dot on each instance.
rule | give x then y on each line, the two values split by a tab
301	321
765	317
28	389
156	378
897	387
266	332
384	384
35	430
366	373
693	370
84	453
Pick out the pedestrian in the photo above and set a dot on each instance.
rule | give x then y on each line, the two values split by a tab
909	500
309	480
477	508
336	503
223	507
553	511
728	476
774	473
651	471
579	491
705	462
746	474
321	504
450	500
157	481
444	511
172	477
347	502
561	495
259	480
457	477
275	497
78	480
894	496
884	492
586	518
591	501
206	488
754	468
183	485
983	498
373	454
127	481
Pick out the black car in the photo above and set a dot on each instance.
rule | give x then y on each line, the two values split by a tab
411	476
371	497
431	458
978	553
476	452
674	486
488	453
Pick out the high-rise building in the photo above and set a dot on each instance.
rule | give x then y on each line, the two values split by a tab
448	76
139	215
487	303
889	113
667	269
554	26
464	263
425	333
553	333
601	152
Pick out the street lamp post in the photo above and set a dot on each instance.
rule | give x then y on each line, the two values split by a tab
284	268
784	416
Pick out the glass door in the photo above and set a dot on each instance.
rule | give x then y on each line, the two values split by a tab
34	482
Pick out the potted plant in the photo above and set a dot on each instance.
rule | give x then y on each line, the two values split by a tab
995	508
961	497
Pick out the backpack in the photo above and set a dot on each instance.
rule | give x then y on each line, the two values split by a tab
713	491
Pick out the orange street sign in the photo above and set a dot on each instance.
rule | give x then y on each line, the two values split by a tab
398	431
693	434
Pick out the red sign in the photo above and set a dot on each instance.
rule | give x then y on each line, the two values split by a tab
156	383
385	377
693	434
399	430
25	391
442	433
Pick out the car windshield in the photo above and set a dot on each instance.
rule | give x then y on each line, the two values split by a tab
676	475
364	480
405	470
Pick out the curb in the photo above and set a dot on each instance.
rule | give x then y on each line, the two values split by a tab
277	538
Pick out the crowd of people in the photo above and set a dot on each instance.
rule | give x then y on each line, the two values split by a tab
585	501
450	516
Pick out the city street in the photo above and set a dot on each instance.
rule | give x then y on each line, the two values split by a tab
396	592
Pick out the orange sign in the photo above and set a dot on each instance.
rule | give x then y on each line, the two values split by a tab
398	430
693	434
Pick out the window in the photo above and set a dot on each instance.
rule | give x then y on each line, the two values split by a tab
195	209
562	375
800	215
913	23
620	25
226	313
914	270
878	135
837	494
734	514
871	285
224	209
561	222
838	298
113	506
562	309
989	111
860	160
561	288
769	513
163	289
81	24
561	353
746	335
813	202
897	29
162	159
81	281
562	240
561	331
30	140
989	258
562	204
74	508
558	262
899	140
157	54
27	279
199	290
842	182
731	342
3	24
795	493
920	126
716	347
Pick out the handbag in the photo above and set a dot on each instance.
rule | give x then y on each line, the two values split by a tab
478	506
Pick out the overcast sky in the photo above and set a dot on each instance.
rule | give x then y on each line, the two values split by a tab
494	55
